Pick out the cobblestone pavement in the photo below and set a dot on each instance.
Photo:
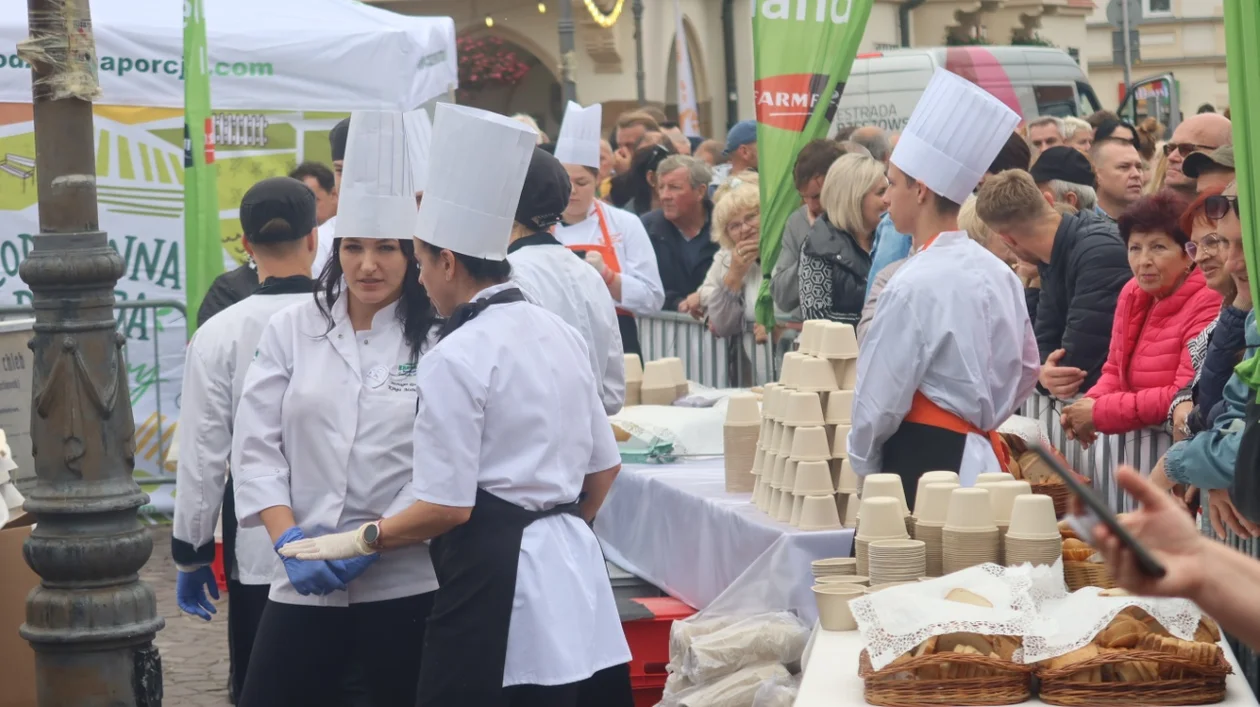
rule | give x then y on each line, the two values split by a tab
194	652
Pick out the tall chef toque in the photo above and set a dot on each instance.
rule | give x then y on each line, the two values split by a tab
378	193
579	138
419	131
956	130
483	158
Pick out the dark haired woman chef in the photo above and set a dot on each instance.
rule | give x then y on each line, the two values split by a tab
517	452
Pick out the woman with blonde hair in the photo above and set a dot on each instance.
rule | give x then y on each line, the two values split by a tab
836	257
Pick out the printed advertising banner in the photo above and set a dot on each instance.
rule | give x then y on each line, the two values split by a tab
270	112
803	50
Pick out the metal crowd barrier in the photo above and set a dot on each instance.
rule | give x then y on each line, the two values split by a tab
731	362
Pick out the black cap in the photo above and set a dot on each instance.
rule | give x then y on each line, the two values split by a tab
337	139
545	195
281	198
1064	163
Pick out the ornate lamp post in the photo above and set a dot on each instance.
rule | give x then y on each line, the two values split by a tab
91	621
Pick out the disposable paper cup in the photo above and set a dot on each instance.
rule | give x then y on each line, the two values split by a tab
849	504
804	410
742	410
757	489
932	505
846	373
828	564
776	438
773	407
970	509
881	518
992	477
1032	518
658	395
813	479
776	472
816	376
840	442
772	502
798	502
809	444
839	407
848	479
931	477
888	485
758	460
788	484
657	374
767	428
833	606
785	441
859	580
783	513
634	368
839	341
634	393
819	513
811	336
1003	494
789	374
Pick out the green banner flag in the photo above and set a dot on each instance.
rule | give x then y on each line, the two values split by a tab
203	250
803	52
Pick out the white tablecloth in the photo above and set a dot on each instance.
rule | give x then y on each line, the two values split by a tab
831	678
677	527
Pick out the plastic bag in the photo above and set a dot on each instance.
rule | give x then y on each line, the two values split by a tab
676	682
778	691
778	637
735	690
682	633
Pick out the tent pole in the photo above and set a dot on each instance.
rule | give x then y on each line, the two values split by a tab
91	622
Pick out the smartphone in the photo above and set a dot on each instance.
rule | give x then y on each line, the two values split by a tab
1147	564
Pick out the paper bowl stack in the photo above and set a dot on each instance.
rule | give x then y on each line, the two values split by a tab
634	379
880	518
838	416
1034	534
763	464
931	508
833	567
877	485
833	605
970	535
739	441
1002	494
896	561
658	386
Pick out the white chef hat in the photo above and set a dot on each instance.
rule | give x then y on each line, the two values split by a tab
378	196
482	158
419	133
579	138
956	130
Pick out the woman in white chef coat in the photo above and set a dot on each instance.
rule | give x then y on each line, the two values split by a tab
514	464
323	444
612	240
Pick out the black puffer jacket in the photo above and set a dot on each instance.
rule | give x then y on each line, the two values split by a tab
833	273
1079	287
226	290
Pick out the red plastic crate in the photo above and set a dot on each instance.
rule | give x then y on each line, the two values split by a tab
220	576
649	646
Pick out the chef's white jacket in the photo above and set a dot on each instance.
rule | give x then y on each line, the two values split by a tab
493	417
556	279
323	245
641	288
951	323
324	427
214	373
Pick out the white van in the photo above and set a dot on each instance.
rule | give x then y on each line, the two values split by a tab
884	87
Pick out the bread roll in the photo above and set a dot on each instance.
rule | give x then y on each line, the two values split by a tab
1076	550
1208	631
1122	632
967	597
620	434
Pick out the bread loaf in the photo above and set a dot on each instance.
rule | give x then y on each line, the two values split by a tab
1076	550
1123	632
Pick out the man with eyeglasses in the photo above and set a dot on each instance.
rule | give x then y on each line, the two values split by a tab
1206	131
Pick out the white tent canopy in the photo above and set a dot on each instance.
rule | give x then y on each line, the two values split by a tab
329	55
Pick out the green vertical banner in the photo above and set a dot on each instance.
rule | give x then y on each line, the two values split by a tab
803	51
202	247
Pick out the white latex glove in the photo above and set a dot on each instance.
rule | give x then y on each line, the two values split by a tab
596	260
339	546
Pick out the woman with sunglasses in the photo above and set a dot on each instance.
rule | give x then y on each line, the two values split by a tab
1207	460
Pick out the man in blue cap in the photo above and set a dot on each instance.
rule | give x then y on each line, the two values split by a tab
740	153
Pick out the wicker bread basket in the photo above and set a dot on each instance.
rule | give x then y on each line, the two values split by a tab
1087	574
1182	681
907	685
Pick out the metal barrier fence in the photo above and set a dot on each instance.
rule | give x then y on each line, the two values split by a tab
731	362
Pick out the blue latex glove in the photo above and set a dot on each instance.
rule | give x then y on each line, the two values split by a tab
308	576
190	592
349	570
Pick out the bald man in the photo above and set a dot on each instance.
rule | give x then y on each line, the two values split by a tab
875	140
1206	131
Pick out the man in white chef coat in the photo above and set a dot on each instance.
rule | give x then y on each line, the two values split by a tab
278	221
613	241
555	278
950	353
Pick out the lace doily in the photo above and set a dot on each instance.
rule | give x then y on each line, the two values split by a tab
1074	620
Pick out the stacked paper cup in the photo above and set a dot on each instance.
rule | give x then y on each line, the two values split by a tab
970	536
838	416
881	518
896	561
804	411
1034	534
813	470
811	336
779	475
769	443
930	477
739	441
634	379
789	375
931	508
876	485
839	346
658	387
1002	495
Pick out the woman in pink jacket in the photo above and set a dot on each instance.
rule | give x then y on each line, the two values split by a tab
1164	306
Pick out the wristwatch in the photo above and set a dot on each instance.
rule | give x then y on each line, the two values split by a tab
372	535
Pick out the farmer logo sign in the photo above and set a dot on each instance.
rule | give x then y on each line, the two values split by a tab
787	102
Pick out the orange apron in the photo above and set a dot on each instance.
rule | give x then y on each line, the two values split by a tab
605	249
925	412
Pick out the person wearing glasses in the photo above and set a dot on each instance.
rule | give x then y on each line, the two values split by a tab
1159	312
1206	131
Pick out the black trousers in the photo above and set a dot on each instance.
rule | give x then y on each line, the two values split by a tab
916	449
629	334
245	609
303	654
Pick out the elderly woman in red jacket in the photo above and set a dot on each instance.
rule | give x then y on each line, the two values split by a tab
1164	307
